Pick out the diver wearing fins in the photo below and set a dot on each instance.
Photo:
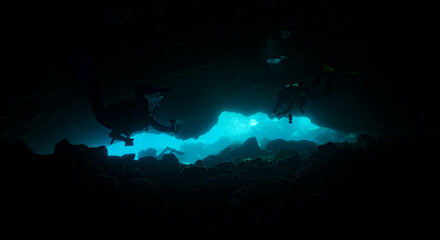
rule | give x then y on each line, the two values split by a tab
127	116
295	94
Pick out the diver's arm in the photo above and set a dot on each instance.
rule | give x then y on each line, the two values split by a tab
161	128
288	109
300	108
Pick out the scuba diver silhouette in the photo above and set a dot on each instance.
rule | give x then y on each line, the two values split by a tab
296	94
151	152
127	116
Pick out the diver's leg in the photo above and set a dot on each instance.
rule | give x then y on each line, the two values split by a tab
319	93
172	150
329	83
179	152
162	153
277	106
300	108
161	128
287	110
98	109
317	81
325	69
283	113
117	136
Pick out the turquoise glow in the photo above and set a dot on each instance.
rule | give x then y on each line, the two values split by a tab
231	128
275	60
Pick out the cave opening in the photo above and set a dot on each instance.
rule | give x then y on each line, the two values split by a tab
231	128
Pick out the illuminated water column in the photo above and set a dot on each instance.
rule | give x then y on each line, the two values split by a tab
231	128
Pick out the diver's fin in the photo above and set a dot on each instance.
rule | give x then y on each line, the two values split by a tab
174	125
327	68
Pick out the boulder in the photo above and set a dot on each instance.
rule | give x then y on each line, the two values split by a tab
238	198
286	153
194	173
225	167
149	152
213	160
248	149
64	148
141	184
288	160
98	154
199	163
169	160
367	143
146	162
102	187
328	148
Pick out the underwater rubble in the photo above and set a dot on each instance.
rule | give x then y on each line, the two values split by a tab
368	180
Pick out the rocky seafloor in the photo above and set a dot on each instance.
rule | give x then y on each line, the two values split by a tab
371	181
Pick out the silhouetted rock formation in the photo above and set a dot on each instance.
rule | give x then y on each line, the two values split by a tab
340	183
249	148
299	146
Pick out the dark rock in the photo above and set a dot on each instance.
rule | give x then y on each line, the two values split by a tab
138	196
147	162
286	153
238	198
128	157
344	179
150	152
64	148
141	184
312	206
209	182
299	146
225	166
71	155
328	148
128	160
102	186
17	149
213	160
169	160
256	163
247	149
367	143
291	164
116	169
199	163
97	154
135	173
194	173
90	168
224	183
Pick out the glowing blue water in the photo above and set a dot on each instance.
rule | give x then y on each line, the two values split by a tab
230	128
